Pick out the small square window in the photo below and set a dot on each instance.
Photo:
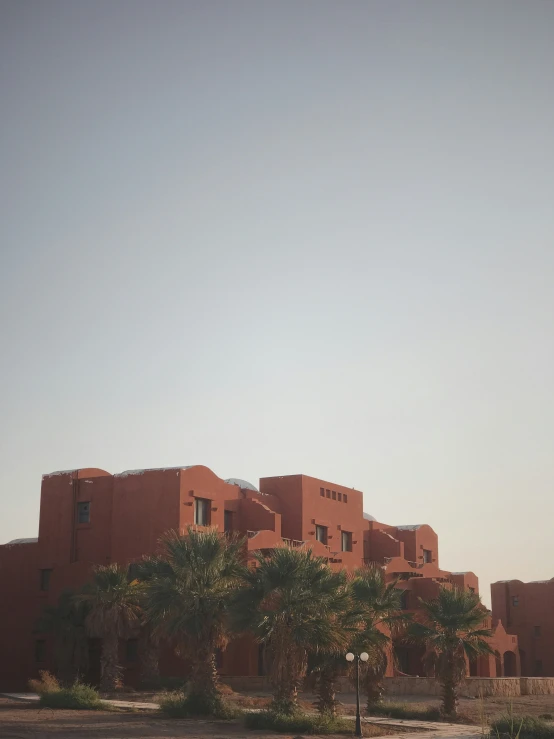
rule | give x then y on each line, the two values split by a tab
345	497
83	512
328	493
515	601
40	650
427	556
334	494
45	580
131	650
339	495
536	631
321	534
346	541
322	492
202	512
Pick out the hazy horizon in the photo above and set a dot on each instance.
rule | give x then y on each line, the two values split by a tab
283	238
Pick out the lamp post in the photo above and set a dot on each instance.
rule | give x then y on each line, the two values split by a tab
350	657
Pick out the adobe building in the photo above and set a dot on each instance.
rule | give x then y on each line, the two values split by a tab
527	611
90	517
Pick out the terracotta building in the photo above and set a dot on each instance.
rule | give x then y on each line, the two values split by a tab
89	517
527	610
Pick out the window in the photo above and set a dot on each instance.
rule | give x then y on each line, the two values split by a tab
83	512
228	521
131	650
538	667
515	601
340	496
471	590
202	511
40	650
536	631
45	580
328	493
346	541
322	492
404	600
321	534
427	556
334	494
345	497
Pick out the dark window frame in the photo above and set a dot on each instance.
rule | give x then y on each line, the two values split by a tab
83	513
199	504
346	536
323	530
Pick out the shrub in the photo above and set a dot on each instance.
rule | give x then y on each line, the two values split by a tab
402	710
522	727
45	683
78	697
180	705
298	722
546	716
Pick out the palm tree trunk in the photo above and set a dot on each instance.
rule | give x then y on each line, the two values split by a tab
326	691
449	689
149	651
204	680
110	671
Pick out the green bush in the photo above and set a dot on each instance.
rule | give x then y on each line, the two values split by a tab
180	705
78	697
298	723
409	711
522	727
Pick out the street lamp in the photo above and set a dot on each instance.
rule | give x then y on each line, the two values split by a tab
350	657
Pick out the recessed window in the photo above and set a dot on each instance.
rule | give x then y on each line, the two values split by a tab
40	650
83	512
345	497
334	494
346	541
228	521
328	493
536	631
202	512
321	534
131	650
45	580
339	496
515	601
322	492
471	590
427	556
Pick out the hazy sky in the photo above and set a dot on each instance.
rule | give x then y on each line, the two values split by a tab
286	237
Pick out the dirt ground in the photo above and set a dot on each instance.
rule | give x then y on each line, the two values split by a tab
20	720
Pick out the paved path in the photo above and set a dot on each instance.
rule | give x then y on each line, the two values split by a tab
440	730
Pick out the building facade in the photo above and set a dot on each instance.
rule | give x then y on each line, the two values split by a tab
527	610
90	517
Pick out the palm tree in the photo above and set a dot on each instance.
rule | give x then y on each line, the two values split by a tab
328	665
113	611
188	593
290	605
452	633
381	606
66	621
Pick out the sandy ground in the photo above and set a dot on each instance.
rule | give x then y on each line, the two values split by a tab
25	721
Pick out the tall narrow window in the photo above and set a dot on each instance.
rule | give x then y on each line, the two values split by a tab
427	556
321	534
345	497
515	601
346	540
228	521
202	512
334	494
40	650
45	580
328	493
404	600
322	492
83	512
339	496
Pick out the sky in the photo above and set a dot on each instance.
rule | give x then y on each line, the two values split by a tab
286	237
